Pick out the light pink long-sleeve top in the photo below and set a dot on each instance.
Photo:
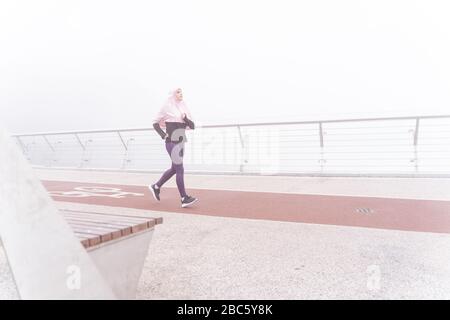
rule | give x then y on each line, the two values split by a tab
172	111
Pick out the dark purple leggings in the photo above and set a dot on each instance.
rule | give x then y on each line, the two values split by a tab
176	152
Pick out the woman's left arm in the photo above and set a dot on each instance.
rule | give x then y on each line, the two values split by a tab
189	122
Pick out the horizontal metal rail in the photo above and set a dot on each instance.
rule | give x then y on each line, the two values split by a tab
412	145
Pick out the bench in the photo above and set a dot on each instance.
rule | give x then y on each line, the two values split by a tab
42	243
118	245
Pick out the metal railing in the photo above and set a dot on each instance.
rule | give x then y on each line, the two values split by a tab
370	146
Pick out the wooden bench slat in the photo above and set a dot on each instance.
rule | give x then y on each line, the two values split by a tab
125	229
106	225
93	240
158	220
136	226
87	230
151	222
104	219
84	241
94	228
105	232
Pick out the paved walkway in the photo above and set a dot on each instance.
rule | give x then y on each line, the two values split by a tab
207	257
370	212
280	237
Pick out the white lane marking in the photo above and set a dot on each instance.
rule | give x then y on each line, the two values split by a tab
84	192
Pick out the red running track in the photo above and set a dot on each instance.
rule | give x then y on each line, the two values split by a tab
384	213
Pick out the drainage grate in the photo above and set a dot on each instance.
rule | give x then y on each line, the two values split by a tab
364	210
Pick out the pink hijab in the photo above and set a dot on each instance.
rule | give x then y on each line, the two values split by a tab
172	111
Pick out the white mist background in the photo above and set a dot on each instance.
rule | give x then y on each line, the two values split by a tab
77	65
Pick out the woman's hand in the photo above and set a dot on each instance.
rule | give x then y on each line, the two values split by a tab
189	122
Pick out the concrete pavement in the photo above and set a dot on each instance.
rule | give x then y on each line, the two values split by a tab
195	256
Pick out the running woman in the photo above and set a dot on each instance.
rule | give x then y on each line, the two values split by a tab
175	117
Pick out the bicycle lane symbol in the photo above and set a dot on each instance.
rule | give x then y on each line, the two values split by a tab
84	192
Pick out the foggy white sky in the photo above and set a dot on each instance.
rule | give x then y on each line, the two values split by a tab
68	65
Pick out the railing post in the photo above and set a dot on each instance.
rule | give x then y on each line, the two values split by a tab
126	159
244	151
84	146
53	158
79	141
322	160
121	139
125	155
416	141
24	149
224	146
48	143
321	134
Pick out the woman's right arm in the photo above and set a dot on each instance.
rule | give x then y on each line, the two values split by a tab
159	117
160	131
